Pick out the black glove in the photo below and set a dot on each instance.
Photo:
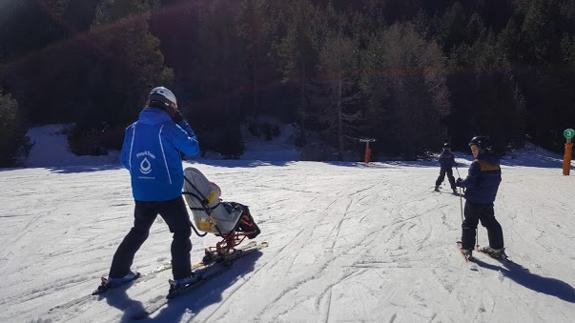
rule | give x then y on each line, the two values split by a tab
174	113
177	116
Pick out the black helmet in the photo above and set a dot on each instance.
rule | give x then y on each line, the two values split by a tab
482	142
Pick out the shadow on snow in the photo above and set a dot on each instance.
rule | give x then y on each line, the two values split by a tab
208	293
192	302
540	284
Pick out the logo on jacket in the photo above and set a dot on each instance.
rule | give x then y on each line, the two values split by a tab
145	165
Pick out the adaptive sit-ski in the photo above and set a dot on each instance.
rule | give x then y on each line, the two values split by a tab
231	221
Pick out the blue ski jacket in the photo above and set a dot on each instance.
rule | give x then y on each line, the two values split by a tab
482	180
446	159
152	152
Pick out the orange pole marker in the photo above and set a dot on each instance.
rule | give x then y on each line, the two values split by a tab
569	134
367	153
567	158
367	157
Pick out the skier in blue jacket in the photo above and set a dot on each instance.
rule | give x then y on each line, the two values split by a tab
446	163
481	187
152	151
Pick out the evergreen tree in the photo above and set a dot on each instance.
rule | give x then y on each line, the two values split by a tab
254	30
12	131
403	77
126	64
339	63
297	50
339	68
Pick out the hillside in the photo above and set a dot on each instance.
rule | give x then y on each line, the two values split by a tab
347	243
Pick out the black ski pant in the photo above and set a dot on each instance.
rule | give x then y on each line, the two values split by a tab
484	213
449	173
175	214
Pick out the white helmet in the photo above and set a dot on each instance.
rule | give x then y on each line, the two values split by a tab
164	95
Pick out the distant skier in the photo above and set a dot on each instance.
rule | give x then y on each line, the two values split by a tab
446	162
152	151
481	187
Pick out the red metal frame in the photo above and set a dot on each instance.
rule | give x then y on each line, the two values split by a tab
230	240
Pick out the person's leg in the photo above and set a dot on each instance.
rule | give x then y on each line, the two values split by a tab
494	230
440	178
144	216
469	226
451	179
176	216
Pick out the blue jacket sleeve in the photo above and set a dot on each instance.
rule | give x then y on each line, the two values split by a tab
184	139
186	126
126	146
472	176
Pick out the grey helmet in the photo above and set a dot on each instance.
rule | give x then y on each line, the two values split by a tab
163	95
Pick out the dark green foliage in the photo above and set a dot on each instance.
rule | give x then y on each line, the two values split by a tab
403	77
96	76
12	131
339	70
126	64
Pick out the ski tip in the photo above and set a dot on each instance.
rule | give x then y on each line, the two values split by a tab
105	284
100	290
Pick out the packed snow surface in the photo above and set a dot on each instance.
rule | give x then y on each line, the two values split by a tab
347	243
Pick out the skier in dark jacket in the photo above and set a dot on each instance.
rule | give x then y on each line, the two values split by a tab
152	152
481	187
446	162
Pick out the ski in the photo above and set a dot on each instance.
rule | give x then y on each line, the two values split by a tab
96	295
501	257
107	285
204	272
468	259
141	278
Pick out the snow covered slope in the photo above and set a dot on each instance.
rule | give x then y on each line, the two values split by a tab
347	243
50	148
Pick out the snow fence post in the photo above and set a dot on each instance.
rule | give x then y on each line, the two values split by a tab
568	134
367	154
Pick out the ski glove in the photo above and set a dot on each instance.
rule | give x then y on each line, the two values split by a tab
177	116
458	182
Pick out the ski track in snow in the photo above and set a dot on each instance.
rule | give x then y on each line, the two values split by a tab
348	243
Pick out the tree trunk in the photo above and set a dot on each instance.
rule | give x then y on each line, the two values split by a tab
303	100
340	117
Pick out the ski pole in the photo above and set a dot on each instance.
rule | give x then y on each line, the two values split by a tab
460	195
477	238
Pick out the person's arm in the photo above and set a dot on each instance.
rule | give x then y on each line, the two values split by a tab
127	146
472	176
185	140
182	135
186	126
178	118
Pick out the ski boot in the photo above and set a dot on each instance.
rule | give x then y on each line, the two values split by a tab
109	282
179	285
494	253
467	254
